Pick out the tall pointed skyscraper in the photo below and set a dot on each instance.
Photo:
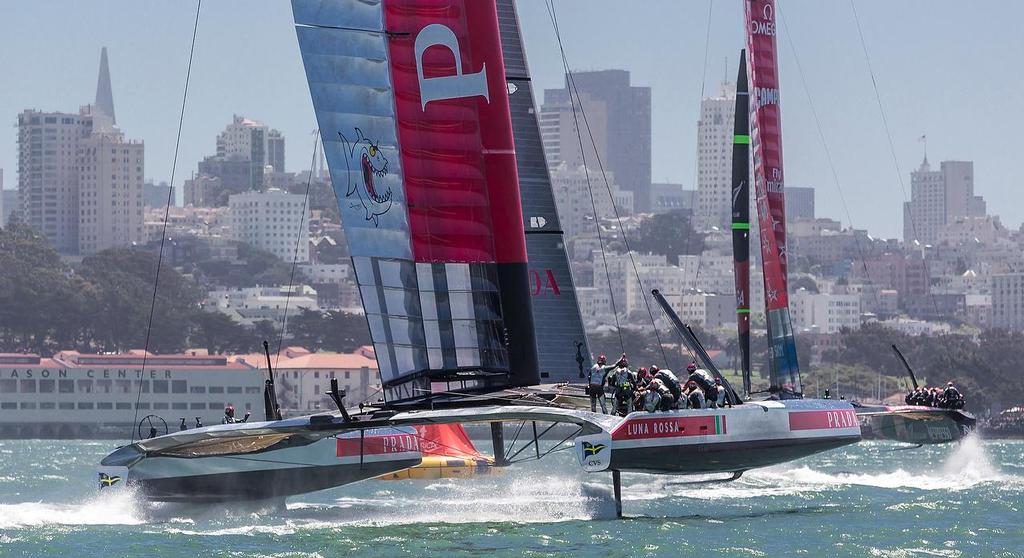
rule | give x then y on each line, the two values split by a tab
104	96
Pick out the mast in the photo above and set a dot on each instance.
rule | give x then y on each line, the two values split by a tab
769	188
741	217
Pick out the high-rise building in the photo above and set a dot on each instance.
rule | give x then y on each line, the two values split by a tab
275	151
10	204
235	174
155	195
255	142
667	196
825	313
799	203
201	190
110	191
48	173
271	221
79	180
110	178
714	158
619	115
575	205
938	198
1008	301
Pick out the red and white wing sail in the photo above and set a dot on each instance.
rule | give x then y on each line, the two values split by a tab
413	108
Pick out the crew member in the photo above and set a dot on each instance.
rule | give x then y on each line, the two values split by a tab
668	399
229	416
598	374
695	395
623	383
643	377
953	397
922	396
670	381
704	379
720	398
651	397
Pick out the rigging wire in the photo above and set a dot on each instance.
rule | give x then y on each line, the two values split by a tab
167	211
892	151
828	152
586	171
696	162
295	255
572	85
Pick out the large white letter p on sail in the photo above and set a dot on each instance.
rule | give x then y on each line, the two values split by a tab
446	87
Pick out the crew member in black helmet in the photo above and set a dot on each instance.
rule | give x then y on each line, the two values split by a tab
229	415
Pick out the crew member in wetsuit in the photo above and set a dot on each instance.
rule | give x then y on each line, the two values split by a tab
229	416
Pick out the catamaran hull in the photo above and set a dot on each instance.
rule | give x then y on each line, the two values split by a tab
264	484
915	425
288	467
732	439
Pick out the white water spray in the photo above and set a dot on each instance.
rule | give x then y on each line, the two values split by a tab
966	466
106	509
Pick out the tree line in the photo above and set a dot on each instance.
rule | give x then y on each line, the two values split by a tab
102	304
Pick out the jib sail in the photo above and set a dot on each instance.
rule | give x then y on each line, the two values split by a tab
413	109
769	188
556	313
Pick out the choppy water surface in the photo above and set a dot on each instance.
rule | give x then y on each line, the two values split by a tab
864	500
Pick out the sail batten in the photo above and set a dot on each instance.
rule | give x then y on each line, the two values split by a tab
769	187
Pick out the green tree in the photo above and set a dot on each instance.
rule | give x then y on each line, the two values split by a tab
670	234
345	332
253	267
220	333
40	298
121	295
263	330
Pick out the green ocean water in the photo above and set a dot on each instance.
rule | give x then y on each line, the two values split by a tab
862	500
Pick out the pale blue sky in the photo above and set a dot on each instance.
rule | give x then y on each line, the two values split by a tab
946	69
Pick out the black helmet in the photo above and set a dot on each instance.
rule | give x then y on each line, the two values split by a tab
229	410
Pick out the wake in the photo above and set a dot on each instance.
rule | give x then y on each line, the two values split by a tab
106	509
530	498
967	466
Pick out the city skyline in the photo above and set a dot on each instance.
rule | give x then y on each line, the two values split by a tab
247	63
